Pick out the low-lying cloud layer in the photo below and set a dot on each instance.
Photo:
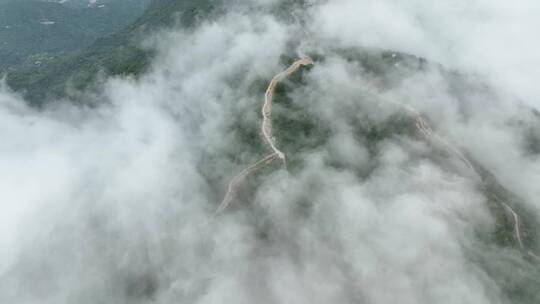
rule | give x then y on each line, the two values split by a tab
115	203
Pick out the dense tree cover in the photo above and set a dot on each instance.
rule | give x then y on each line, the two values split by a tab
32	31
118	53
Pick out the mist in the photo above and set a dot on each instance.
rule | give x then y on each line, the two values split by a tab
115	202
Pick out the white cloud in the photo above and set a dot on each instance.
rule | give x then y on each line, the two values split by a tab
115	203
493	38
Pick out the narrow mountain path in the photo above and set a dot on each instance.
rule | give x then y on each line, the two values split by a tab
517	226
421	124
427	132
266	126
424	128
267	135
238	180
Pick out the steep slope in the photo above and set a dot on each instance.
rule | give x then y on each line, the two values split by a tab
372	188
299	134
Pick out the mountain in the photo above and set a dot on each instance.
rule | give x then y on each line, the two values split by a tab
34	32
363	181
117	53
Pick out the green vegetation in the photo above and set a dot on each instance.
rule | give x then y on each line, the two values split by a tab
117	54
30	27
497	252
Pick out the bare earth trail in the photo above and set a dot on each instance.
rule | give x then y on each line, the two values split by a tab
266	126
267	136
517	226
238	180
427	132
422	127
518	233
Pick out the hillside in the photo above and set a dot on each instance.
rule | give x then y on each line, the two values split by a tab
117	53
33	32
275	151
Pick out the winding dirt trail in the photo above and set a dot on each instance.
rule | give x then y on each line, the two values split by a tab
267	135
425	129
266	126
518	232
517	226
422	126
533	255
238	180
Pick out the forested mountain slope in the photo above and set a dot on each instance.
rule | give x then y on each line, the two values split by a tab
256	158
33	32
118	53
